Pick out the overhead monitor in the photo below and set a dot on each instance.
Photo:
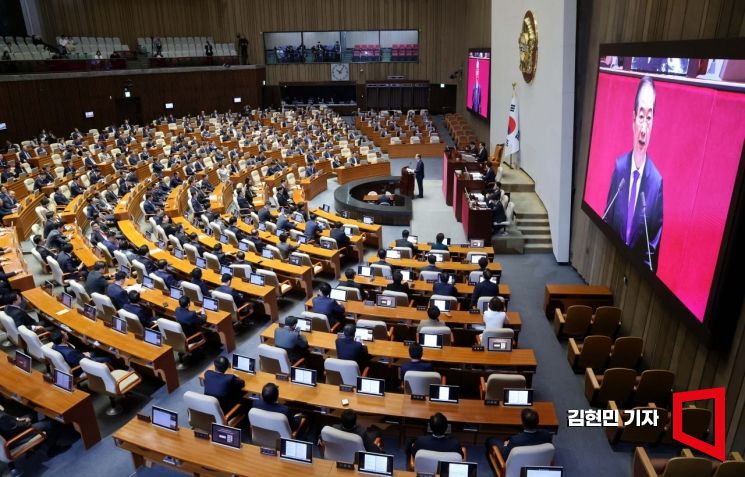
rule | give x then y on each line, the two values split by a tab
88	114
237	99
169	105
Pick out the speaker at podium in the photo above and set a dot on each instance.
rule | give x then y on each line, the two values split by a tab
406	185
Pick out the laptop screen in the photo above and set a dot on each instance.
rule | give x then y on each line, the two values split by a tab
243	246
535	471
430	341
262	227
498	344
299	451
89	311
226	436
148	282
438	257
442	305
120	325
201	263
446	241
406	274
477	243
371	386
442	393
298	217
22	361
266	253
223	238
244	363
303	376
325	208
458	469
386	301
364	271
340	295
366	219
226	270
125	270
178	253
304	324
392	254
348	231
209	304
257	279
363	334
176	293
413	239
476	257
67	300
295	260
302	239
152	337
518	397
164	418
378	464
63	380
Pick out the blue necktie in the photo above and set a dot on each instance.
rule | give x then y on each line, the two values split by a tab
630	210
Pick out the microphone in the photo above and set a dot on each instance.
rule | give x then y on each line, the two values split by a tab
646	230
620	186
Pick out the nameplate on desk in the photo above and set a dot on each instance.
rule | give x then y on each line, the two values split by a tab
344	465
424	474
477	348
346	388
474	311
62	312
491	402
268	451
282	377
143	417
418	397
409	342
368	303
201	435
470	427
421	308
473	284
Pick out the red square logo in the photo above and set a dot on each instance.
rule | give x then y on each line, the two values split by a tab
716	450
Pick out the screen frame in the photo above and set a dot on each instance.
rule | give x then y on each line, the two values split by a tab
718	325
309	450
360	459
168	411
227	446
465	73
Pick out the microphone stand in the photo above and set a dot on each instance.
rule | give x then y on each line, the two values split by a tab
646	230
613	200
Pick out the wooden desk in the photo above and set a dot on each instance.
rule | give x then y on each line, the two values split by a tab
449	266
455	250
264	294
410	150
221	198
362	171
459	197
148	444
158	360
129	205
31	390
25	216
424	288
373	232
564	296
315	185
13	261
176	201
356	242
449	166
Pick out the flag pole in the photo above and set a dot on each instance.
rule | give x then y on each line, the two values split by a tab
512	155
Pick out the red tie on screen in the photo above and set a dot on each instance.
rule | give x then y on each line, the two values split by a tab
630	211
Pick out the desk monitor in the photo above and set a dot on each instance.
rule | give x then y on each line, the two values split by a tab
406	274
178	253
392	253
164	418
243	246
442	393
498	344
541	471
304	324
451	279
364	271
279	232
344	214
120	325
298	451
446	241
161	245
413	239
262	227
176	293
442	305
476	257
125	270
226	270
438	256
152	337
298	217
428	340
348	231
226	436
518	397
257	279
326	208
244	363
266	253
367	220
476	243
295	260
89	311
363	334
377	464
209	304
208	231
306	377
23	361
223	238
386	301
148	282
458	469
201	263
302	239
67	300
63	380
370	386
327	245
339	295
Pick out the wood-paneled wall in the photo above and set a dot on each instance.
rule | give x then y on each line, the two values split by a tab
59	104
668	342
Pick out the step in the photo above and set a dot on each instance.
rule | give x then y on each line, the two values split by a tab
538	248
529	215
538	239
539	230
517	187
532	222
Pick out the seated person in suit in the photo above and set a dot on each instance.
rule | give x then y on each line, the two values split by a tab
371	437
72	356
268	402
196	279
442	287
141	256
349	273
484	288
404	242
163	273
285	249
226	388
433	319
415	362
325	305
40	247
386	199
225	287
438	441
60	198
116	291
15	309
337	233
348	348
68	263
438	245
222	257
289	338
397	284
381	257
144	313
190	321
431	264
530	436
95	281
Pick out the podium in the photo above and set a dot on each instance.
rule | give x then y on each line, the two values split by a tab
406	185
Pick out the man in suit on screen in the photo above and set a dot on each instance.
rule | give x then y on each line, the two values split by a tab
635	194
476	93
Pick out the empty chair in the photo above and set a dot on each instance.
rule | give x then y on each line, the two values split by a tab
519	457
417	382
225	302
141	270
696	423
429	275
11	331
159	283
173	336
646	434
654	385
204	410
574	323
405	251
447	334
306	261
592	353
380	270
687	466
483	338
342	371
494	386
606	321
33	344
453	301
13	449
616	384
339	445
114	383
320	322
626	352
122	259
105	309
379	327
444	253
275	360
427	461
331	243
81	295
192	291
133	322
270	278
268	427
213	263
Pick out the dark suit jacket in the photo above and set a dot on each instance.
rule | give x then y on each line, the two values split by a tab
189	320
118	295
419	170
347	348
651	186
485	288
227	388
446	289
95	283
71	355
19	316
144	314
539	436
437	444
326	306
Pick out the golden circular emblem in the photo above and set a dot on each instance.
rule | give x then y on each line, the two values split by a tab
528	44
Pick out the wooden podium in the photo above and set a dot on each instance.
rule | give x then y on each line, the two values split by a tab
406	185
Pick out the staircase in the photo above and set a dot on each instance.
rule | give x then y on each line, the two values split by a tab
531	216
